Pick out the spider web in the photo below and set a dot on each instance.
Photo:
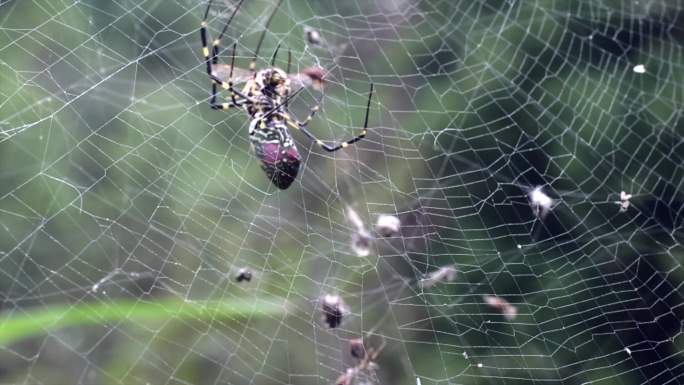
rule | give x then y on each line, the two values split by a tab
122	188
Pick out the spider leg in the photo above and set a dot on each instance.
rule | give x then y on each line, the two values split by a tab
233	101
230	76
275	55
289	61
295	123
287	71
252	65
228	86
376	352
212	59
302	126
226	105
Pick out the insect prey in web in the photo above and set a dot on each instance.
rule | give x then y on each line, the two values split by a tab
387	225
243	275
509	311
442	275
624	201
541	203
333	310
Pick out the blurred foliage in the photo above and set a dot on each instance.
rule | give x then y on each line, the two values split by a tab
112	161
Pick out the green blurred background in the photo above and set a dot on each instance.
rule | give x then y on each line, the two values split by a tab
127	205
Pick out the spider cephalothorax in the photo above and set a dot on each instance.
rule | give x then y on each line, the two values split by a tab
273	82
268	88
265	98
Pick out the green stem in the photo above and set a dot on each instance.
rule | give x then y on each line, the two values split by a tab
18	324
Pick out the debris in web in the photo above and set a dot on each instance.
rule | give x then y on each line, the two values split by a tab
347	378
363	372
355	219
132	275
509	311
333	310
361	243
312	36
360	238
441	275
356	348
309	77
624	201
387	225
314	39
243	275
639	68
541	203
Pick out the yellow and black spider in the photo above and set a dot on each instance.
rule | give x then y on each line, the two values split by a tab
265	98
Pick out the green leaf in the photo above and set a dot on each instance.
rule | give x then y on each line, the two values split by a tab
24	323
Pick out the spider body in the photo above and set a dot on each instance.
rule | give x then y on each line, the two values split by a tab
265	97
268	132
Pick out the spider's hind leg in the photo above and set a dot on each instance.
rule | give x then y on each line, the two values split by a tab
302	126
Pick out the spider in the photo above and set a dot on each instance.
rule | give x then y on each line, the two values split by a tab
265	98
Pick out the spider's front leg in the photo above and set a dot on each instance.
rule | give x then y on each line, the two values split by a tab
234	102
211	59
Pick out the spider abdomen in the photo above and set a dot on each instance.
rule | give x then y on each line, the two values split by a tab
277	152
